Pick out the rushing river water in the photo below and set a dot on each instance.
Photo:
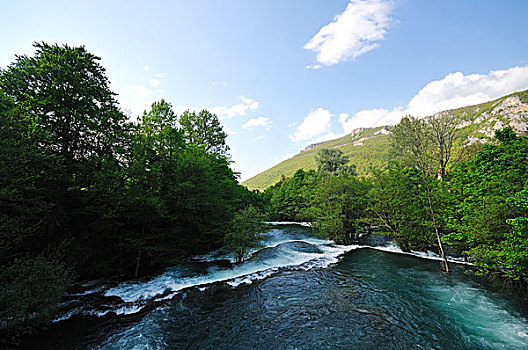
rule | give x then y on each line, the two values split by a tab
298	292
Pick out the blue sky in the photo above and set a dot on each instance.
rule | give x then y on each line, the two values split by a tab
284	74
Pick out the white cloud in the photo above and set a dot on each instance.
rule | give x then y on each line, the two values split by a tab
257	122
453	91
139	98
224	112
161	75
154	82
147	68
238	109
229	131
223	83
260	137
327	137
458	90
369	118
352	33
317	122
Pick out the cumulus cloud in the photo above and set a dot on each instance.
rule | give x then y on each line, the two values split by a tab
453	91
154	82
458	90
147	68
258	122
316	123
352	33
237	109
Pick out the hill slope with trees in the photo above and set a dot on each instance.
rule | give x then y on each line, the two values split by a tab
369	147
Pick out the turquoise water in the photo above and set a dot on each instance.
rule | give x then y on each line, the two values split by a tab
298	292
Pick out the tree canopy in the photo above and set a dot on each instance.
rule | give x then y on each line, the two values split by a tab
86	193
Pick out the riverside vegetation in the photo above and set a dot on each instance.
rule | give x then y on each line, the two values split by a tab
87	193
425	199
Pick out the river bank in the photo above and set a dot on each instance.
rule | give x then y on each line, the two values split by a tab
297	292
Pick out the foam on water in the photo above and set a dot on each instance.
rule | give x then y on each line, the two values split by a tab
283	253
426	309
300	223
412	301
393	248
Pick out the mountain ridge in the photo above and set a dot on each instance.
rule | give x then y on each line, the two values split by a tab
368	147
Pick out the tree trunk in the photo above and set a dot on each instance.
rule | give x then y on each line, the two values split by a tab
137	263
404	246
440	245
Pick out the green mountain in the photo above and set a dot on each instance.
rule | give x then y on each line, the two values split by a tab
370	146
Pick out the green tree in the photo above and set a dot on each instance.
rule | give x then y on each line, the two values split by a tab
64	91
488	190
412	142
180	198
290	199
333	161
338	207
204	129
398	205
30	289
82	187
71	133
245	232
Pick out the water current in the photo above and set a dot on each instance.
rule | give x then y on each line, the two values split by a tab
296	292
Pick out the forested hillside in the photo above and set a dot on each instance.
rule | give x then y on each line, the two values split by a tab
368	147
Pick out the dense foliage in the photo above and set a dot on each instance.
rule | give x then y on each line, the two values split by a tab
427	198
332	198
245	232
86	193
487	218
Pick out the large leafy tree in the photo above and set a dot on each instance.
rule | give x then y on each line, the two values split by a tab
397	204
338	207
64	91
204	129
60	132
245	232
413	143
70	134
333	161
485	190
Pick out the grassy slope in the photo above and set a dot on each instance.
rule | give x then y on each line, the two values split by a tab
375	151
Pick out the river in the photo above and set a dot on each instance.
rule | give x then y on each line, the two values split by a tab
296	292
